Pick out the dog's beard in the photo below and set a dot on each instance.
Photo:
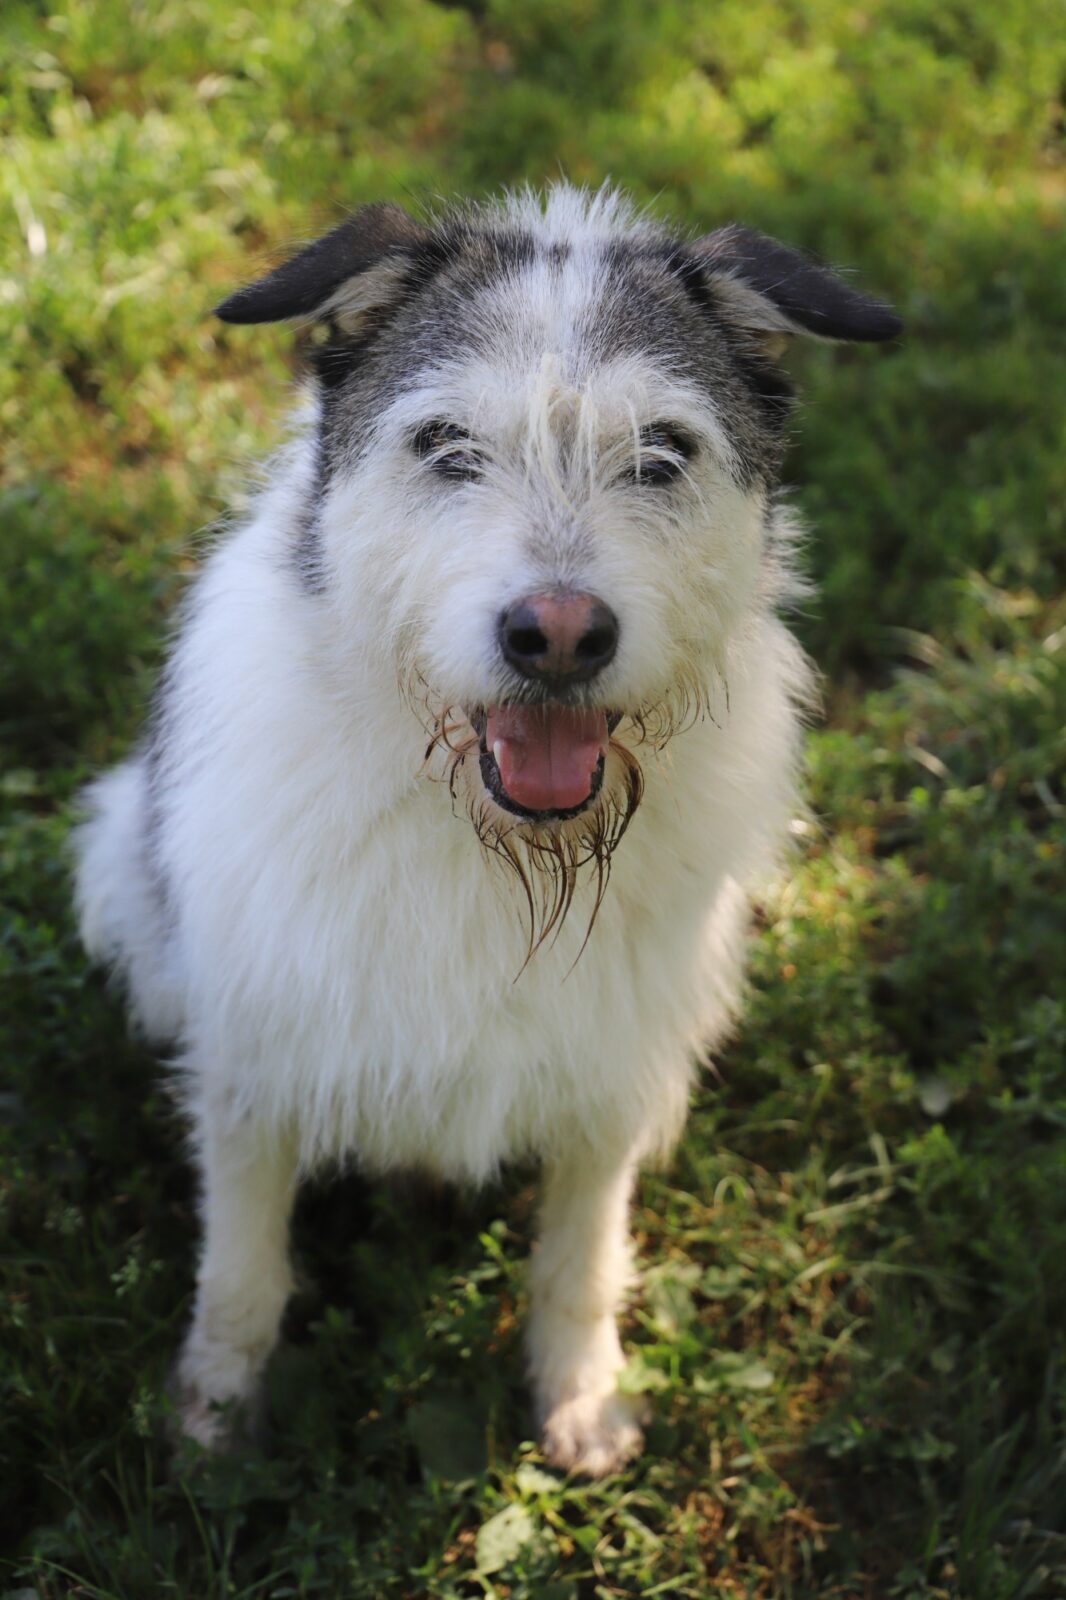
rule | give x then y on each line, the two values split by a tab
549	857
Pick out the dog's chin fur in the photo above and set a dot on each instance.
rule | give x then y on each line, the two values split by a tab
547	854
347	960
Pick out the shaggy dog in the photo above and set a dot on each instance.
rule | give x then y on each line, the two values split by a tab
501	626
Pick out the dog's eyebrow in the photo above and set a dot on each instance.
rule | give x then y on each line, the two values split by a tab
706	435
615	396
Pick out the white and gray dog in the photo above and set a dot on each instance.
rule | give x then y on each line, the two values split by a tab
501	625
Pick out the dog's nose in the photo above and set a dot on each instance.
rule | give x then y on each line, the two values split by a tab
561	637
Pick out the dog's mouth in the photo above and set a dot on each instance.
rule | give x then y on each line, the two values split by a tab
543	762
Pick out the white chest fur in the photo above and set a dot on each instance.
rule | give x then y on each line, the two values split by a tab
355	965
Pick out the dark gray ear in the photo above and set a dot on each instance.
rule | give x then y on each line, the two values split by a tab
348	271
770	289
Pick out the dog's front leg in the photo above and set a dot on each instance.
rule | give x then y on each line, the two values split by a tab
244	1280
579	1274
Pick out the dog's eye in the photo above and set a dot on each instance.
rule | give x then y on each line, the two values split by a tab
662	454
446	448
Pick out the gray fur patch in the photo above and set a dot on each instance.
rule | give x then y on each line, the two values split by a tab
651	297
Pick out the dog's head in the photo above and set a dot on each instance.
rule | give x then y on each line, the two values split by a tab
548	437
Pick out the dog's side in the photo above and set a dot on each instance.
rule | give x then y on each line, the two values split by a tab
502	625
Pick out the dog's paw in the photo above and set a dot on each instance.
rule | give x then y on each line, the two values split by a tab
218	1425
201	1420
594	1434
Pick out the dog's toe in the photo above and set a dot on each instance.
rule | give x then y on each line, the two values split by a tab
594	1435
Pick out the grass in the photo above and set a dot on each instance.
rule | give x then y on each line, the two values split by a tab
853	1313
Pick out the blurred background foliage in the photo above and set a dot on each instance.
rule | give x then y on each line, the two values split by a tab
855	1311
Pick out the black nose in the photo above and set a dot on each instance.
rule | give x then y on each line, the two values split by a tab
561	638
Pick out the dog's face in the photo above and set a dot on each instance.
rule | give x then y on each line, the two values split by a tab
548	436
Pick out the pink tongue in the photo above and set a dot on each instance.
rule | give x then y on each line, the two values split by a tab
547	755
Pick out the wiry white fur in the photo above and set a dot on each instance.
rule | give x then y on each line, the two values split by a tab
121	920
335	952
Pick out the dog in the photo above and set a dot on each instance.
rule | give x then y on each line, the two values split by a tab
475	736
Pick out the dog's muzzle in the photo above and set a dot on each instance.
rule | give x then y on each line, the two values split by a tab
545	759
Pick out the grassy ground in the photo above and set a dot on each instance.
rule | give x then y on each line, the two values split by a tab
853	1318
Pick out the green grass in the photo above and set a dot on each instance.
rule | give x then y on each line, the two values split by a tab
853	1319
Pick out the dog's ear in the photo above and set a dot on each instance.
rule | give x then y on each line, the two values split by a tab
772	291
358	266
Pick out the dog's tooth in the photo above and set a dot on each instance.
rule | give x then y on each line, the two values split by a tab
497	747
